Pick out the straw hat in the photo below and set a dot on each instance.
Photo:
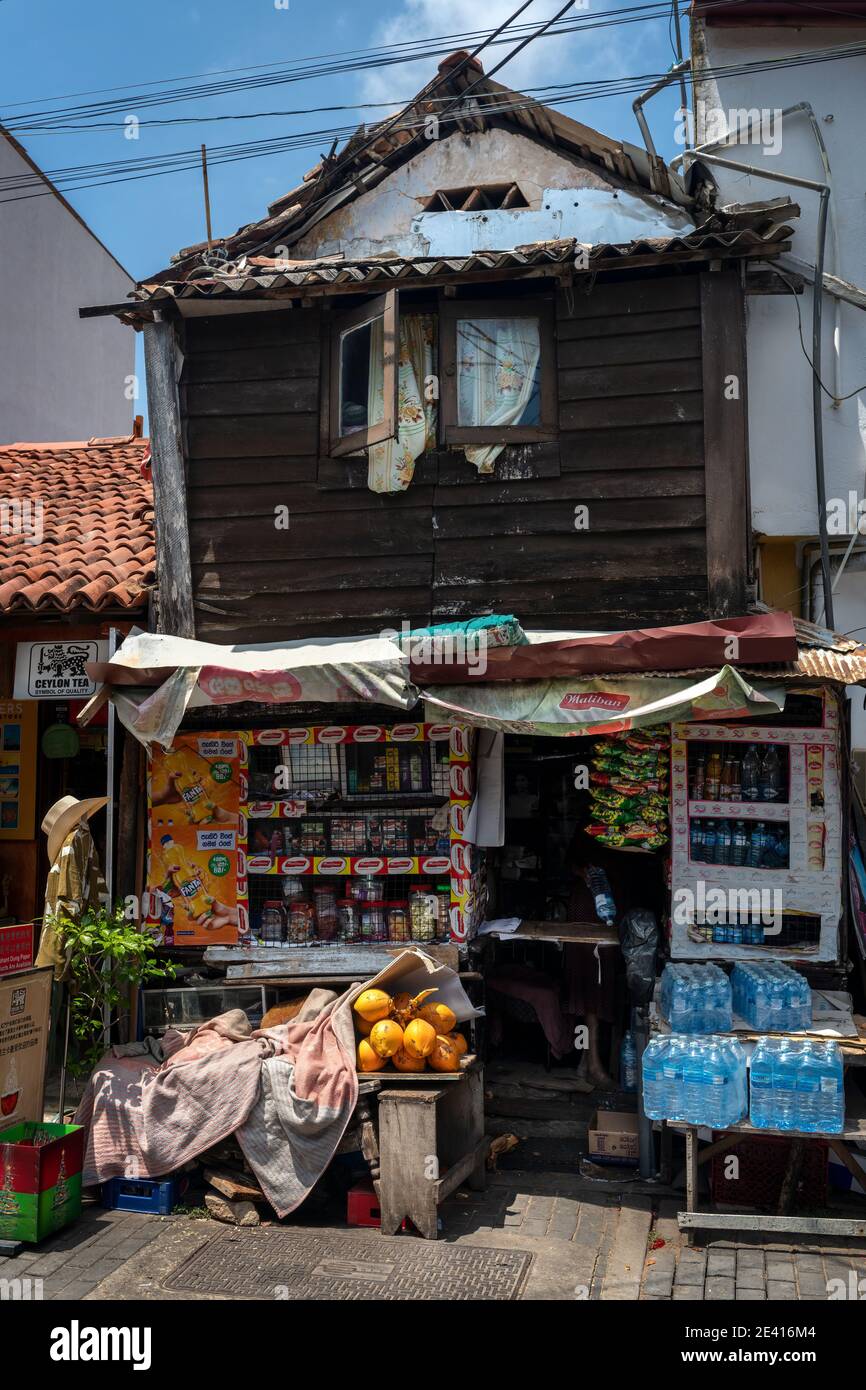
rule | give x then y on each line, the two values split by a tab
64	815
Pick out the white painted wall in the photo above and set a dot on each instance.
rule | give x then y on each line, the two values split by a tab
564	201
784	497
61	377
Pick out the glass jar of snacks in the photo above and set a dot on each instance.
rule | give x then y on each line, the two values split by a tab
272	923
443	914
293	888
367	889
373	926
398	922
325	902
423	913
348	919
302	922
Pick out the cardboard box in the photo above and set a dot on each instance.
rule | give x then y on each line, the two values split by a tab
613	1137
40	1179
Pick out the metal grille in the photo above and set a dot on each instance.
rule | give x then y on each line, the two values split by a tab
295	1266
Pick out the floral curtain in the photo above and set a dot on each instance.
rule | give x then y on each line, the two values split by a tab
390	466
497	362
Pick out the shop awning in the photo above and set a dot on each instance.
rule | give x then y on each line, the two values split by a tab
487	672
153	679
602	705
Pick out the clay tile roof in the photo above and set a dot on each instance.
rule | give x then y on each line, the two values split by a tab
76	525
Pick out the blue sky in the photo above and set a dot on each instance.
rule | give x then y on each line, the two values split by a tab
54	48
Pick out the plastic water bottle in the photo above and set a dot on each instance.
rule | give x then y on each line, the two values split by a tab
750	774
628	1063
831	1106
739	844
770	777
599	886
808	1090
761	1103
722	851
756	845
788	1062
652	1078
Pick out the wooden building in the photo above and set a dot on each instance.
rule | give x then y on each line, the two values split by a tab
606	488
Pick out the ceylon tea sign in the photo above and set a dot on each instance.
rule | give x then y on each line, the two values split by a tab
25	1006
56	670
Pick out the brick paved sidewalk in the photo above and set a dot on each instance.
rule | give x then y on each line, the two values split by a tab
587	1243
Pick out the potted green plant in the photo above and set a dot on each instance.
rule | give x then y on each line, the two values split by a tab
108	955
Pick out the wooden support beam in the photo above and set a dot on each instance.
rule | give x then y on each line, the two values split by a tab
174	574
725	442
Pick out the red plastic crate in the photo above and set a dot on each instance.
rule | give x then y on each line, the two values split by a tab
763	1164
362	1207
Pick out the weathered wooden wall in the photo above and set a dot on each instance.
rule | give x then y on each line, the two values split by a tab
631	449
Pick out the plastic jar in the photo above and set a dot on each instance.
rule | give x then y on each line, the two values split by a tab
399	928
325	902
302	922
272	924
423	913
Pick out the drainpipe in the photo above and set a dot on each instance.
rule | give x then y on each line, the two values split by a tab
823	190
732	138
638	103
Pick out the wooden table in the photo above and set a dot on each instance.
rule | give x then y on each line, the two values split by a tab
431	1139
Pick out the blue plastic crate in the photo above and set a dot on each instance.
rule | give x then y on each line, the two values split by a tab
158	1196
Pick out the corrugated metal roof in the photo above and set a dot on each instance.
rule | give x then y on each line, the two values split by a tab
262	276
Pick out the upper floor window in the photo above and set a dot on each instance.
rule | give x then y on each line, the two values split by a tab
476	197
477	375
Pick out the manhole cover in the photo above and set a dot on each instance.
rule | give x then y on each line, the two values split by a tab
295	1265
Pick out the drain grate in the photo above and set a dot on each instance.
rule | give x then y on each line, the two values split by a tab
297	1265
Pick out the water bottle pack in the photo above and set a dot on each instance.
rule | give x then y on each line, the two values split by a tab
771	997
698	1080
696	998
797	1086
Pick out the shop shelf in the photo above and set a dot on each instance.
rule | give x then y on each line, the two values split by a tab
338	865
740	810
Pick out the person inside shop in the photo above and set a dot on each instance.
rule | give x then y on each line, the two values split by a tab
605	884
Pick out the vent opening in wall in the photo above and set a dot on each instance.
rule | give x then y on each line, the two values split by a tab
476	198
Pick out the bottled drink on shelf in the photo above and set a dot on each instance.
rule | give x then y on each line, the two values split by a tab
696	841
628	1063
700	1080
714	776
739	844
695	998
699	780
770	777
756	845
722	851
797	1086
750	774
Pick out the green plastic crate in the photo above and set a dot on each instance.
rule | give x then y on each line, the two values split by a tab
40	1179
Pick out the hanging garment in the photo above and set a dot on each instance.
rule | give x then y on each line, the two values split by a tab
390	466
496	373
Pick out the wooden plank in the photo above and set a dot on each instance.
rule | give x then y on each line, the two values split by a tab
678	445
672	346
568	558
725	443
268	328
350	473
287	395
329	574
841	1227
516	462
557	518
303	500
252	436
579	486
346	610
630	379
631	296
627	325
254	363
218	474
636	410
175	613
358	534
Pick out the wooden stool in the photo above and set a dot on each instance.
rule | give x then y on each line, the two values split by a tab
430	1141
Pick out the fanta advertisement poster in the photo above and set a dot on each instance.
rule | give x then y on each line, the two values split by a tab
194	865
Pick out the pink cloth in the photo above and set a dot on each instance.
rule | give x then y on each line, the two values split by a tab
541	993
